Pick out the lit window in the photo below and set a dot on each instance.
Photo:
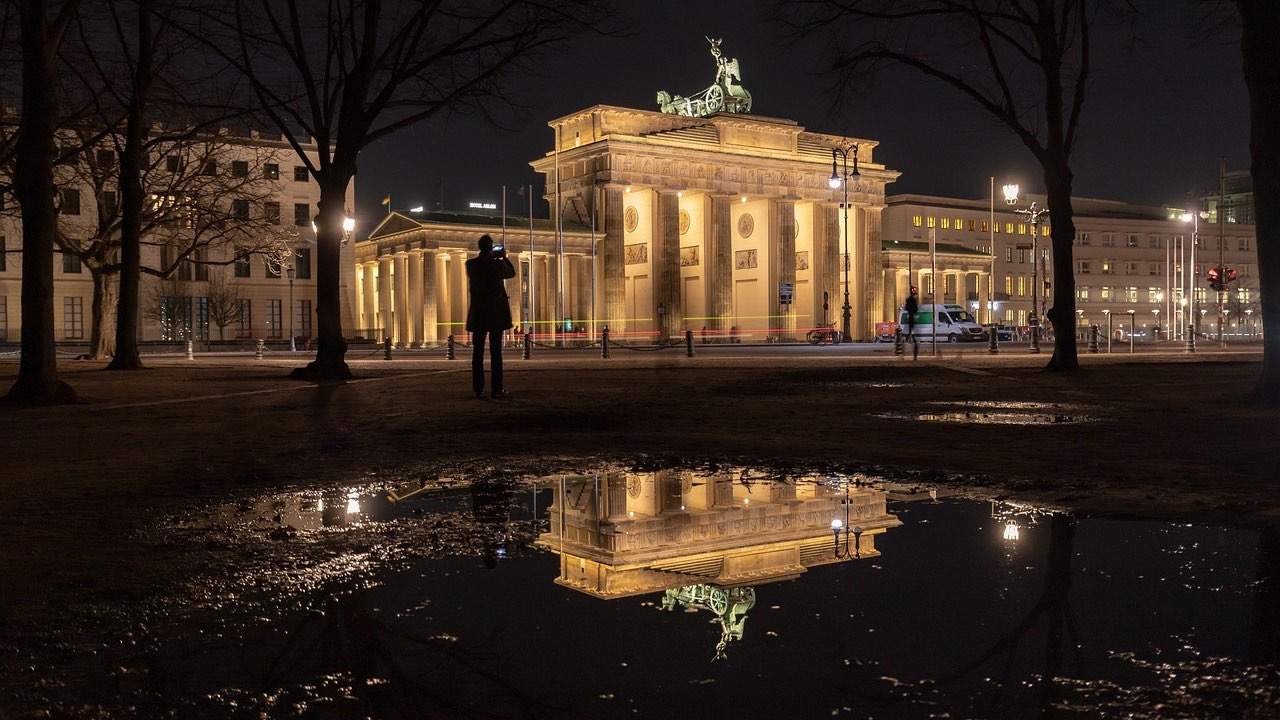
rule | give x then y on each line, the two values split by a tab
960	224
917	221
1106	292
1083	293
1008	227
932	221
1022	285
946	223
1044	231
996	227
1022	228
1008	285
983	226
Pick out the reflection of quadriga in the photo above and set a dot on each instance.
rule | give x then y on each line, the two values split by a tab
730	605
724	95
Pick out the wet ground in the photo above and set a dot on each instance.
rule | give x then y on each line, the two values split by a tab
666	592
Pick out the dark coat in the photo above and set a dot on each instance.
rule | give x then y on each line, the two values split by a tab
489	309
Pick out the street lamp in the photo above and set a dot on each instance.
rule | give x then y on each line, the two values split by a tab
348	227
1033	215
841	176
291	271
1194	219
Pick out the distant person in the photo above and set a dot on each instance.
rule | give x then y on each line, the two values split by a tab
912	306
489	313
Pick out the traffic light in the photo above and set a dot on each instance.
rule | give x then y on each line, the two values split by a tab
1214	276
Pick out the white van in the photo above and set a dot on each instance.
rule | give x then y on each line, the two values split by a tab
955	324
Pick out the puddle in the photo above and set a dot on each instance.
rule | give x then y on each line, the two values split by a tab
990	412
664	593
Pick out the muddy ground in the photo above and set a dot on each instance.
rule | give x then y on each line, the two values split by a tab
1158	438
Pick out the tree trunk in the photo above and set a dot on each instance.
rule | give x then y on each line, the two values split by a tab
33	186
131	201
1259	27
102	329
330	363
1062	231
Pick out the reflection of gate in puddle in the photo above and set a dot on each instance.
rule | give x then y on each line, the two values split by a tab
729	605
702	537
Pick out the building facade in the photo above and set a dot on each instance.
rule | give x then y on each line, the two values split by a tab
272	301
1127	258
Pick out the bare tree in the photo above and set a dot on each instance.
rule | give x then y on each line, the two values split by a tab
41	37
224	302
1025	62
347	73
1260	23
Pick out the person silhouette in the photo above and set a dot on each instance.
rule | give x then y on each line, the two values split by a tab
488	314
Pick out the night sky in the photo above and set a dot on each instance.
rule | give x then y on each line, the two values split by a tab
1161	112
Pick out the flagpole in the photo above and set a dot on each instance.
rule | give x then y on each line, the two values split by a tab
933	284
533	273
504	215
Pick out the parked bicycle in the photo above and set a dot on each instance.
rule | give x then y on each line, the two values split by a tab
823	335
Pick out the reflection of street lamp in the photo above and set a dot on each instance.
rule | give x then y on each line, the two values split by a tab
838	526
1248	323
838	178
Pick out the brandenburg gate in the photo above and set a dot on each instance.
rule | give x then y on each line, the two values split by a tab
707	221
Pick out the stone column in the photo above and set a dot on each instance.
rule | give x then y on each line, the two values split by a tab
401	311
614	281
384	297
582	290
984	297
825	262
513	290
718	275
444	309
414	338
666	265
782	266
870	257
354	331
370	292
458	294
430	298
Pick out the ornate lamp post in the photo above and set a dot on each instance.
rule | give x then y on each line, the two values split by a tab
841	177
1033	215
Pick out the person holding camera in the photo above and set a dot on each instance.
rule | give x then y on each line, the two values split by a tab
489	313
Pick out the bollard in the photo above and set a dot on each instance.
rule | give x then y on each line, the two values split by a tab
448	347
386	348
191	350
1191	338
1035	340
604	342
897	342
1093	339
704	335
257	353
528	347
993	342
688	343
